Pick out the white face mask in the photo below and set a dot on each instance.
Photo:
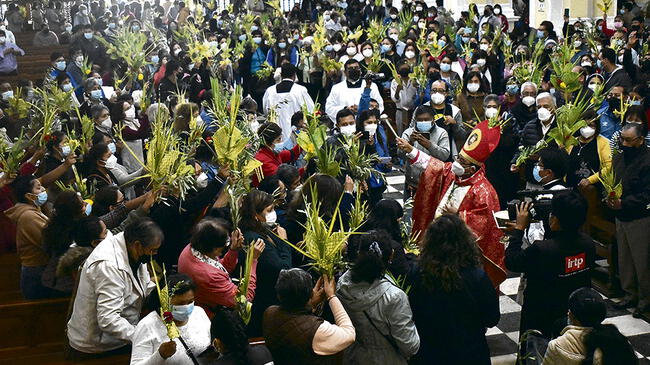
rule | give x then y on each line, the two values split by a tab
367	53
394	36
348	130
457	169
586	64
480	62
577	44
351	51
473	87
543	114
593	87
130	113
587	131
483	47
111	162
437	98
202	180
497	11
336	47
254	126
409	54
491	112
371	129
3	40
271	217
528	100
107	123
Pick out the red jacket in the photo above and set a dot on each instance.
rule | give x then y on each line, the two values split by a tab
271	160
213	286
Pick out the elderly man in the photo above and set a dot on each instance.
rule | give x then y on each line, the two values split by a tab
535	131
632	212
525	110
8	52
113	284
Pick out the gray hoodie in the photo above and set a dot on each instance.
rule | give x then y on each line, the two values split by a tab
387	306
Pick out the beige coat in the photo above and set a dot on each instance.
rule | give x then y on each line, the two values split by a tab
569	348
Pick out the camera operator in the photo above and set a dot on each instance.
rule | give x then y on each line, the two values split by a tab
553	267
549	171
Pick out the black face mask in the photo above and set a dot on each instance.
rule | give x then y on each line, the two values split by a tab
404	72
629	153
614	104
354	74
434	76
635	28
144	259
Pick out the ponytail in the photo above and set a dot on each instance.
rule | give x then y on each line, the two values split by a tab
607	346
375	252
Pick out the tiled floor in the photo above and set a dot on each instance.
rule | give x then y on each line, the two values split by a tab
503	338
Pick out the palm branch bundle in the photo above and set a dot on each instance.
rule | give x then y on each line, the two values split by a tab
353	36
419	75
18	107
431	45
166	304
471	22
359	164
625	105
265	71
399	281
376	62
568	119
376	31
563	78
531	70
613	186
276	7
312	139
11	157
393	71
359	212
320	36
166	164
79	185
604	5
405	21
326	162
268	35
51	102
233	149
132	48
187	33
322	244
86	66
241	299
329	64
528	151
199	50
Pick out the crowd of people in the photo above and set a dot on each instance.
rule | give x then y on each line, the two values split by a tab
324	100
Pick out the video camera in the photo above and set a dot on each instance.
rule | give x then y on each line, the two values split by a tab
374	76
541	199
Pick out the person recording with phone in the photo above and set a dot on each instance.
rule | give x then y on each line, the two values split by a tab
427	137
554	267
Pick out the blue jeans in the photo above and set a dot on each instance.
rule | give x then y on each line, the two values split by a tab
30	283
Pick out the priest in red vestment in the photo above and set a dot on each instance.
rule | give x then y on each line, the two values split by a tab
462	188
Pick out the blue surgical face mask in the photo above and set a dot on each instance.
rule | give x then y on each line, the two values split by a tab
536	174
65	151
99	81
88	35
465	39
328	48
442	43
278	147
540	34
60	65
635	102
385	48
41	198
96	94
155	59
89	209
182	313
112	148
599	63
67	87
423	126
282	45
242	37
254	28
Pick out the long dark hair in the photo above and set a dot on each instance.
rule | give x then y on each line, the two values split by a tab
254	203
375	251
329	191
449	246
385	216
58	233
228	327
614	347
